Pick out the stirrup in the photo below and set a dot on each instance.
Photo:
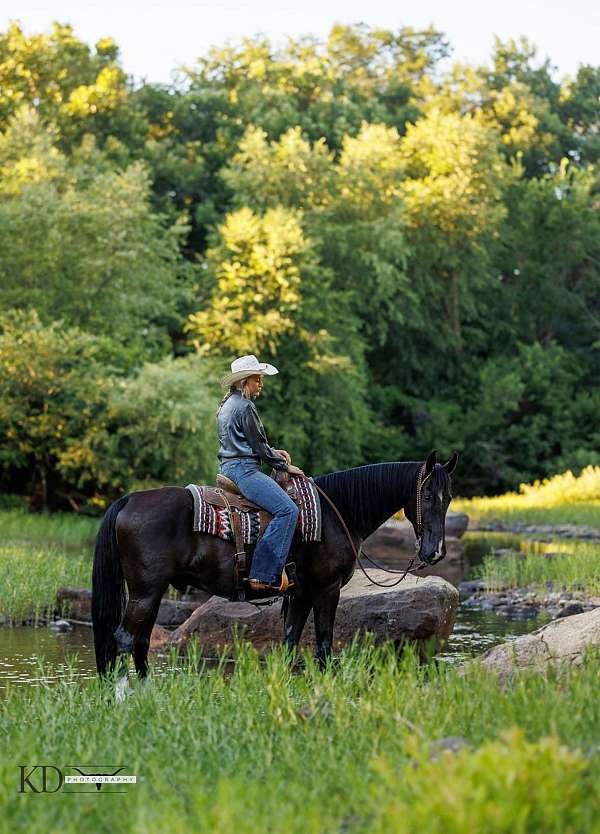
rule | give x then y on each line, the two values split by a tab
257	585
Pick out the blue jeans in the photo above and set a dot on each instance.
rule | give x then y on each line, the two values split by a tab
274	545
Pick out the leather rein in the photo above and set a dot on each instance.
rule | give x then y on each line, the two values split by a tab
421	481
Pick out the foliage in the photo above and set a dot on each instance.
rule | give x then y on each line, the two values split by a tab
566	494
368	730
52	387
257	271
96	255
158	427
414	245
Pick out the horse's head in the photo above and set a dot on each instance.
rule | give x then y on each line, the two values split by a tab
428	506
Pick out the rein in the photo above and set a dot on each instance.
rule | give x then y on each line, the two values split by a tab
419	527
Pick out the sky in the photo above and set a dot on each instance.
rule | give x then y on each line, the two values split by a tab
155	38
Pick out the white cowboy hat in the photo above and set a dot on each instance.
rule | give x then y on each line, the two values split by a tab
247	366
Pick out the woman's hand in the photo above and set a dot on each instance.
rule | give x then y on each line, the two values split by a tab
294	470
284	454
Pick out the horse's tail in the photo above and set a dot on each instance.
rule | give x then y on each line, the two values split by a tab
108	589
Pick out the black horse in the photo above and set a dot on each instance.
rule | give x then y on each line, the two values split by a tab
146	540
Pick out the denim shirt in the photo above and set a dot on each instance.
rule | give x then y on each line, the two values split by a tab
242	434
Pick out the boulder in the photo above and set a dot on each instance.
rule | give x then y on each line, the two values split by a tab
417	610
395	534
561	641
393	545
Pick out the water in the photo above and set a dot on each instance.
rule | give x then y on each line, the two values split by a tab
476	631
24	649
42	656
71	654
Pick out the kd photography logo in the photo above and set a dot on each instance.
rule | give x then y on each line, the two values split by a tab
38	779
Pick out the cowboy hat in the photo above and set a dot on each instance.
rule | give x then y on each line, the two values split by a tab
247	366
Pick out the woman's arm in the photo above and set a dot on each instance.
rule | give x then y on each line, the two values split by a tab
256	437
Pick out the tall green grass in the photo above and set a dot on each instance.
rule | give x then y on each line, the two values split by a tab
38	555
567	565
561	500
263	749
64	530
30	577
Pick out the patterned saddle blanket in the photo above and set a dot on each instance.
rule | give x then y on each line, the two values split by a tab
212	508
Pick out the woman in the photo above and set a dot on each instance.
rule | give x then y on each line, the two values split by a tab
243	446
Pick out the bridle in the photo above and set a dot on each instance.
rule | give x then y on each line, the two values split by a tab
421	481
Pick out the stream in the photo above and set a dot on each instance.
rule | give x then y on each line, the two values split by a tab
71	653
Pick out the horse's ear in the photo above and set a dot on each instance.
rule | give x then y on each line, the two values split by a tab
430	462
450	465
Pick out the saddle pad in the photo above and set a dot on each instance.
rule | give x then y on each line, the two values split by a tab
216	521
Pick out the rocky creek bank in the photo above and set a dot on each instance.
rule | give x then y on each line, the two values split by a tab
528	602
543	532
563	641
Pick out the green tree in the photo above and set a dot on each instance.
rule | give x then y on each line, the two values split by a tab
159	427
53	384
96	255
78	89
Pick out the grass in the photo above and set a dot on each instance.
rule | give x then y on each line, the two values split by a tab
62	530
570	566
350	750
563	499
38	555
30	577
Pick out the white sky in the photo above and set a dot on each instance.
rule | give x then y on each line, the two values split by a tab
157	37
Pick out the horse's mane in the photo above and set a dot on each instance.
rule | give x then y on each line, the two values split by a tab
357	492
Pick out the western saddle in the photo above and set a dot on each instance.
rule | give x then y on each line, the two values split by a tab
227	494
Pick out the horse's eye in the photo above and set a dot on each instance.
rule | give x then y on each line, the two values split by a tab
428	498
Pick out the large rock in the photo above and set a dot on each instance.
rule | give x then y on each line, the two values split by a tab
395	534
561	641
416	610
393	545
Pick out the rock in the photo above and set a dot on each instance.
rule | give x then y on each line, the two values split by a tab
174	612
469	587
570	610
449	744
393	545
561	641
159	638
503	552
416	610
76	604
60	625
563	531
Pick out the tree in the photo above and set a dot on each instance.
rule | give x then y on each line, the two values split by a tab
159	427
77	89
96	254
53	383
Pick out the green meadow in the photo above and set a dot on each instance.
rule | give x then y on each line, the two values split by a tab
257	746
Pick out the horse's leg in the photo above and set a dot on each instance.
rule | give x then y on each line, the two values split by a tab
298	611
325	605
133	635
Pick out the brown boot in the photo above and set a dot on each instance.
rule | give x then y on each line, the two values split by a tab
257	585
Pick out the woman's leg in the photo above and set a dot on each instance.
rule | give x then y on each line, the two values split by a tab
273	546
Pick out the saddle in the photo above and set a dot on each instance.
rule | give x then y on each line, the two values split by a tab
226	494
